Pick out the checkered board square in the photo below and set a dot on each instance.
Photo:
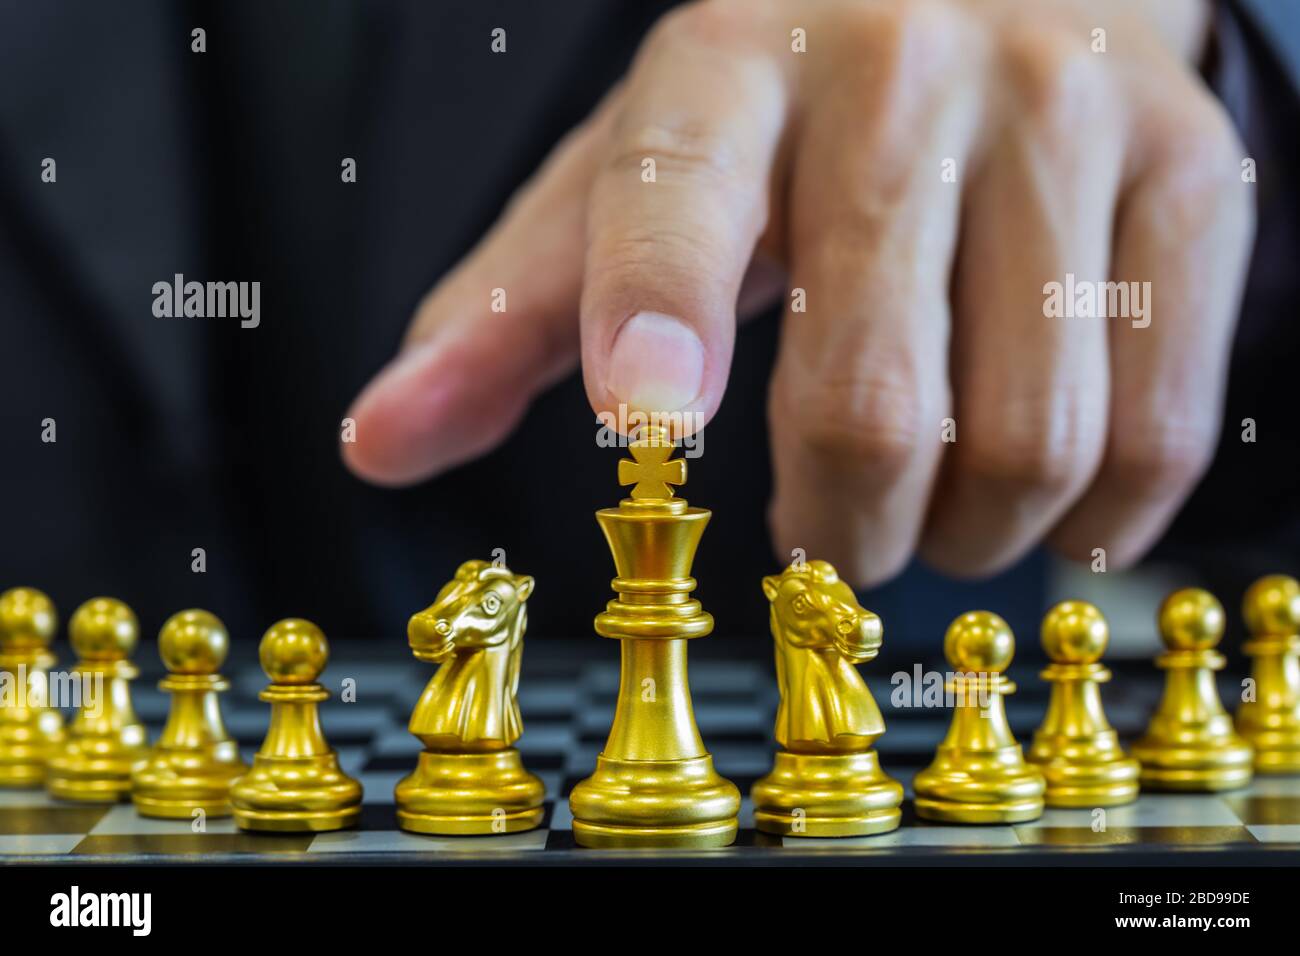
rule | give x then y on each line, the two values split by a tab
567	713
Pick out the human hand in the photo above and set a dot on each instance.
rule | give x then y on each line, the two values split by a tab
919	174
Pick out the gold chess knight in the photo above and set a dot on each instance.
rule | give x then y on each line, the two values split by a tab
106	741
654	783
826	780
1191	744
1270	719
195	761
470	779
30	728
1075	747
979	774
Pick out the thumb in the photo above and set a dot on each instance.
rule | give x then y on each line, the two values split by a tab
500	328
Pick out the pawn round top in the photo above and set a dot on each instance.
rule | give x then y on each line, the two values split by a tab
193	642
1074	632
294	651
979	641
27	620
103	629
1191	620
1272	606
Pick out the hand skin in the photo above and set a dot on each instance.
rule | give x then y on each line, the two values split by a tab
822	171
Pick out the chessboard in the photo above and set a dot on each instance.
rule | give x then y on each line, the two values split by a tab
567	711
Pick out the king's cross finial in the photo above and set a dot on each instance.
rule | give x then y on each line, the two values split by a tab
652	472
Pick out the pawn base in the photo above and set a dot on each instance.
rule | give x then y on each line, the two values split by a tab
80	777
1081	773
1229	766
827	795
296	795
163	790
995	786
22	776
465	794
1277	751
26	746
655	803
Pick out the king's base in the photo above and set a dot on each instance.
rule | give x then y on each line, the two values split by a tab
964	786
1229	766
655	803
296	794
466	794
827	795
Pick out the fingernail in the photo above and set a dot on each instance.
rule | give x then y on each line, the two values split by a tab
657	363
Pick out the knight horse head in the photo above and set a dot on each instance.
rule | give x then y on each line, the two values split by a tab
475	629
821	632
481	607
813	609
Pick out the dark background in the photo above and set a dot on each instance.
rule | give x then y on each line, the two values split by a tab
182	433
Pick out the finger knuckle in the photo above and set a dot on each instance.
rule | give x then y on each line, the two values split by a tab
1198	183
675	257
870	423
1036	448
1054	76
709	22
1161	460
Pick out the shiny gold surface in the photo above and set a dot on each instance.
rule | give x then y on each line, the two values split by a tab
1271	722
654	783
30	729
979	774
470	779
195	761
826	780
295	783
1075	747
106	741
1190	744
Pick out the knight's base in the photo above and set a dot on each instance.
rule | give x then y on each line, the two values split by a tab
1225	766
655	803
827	795
980	787
296	795
467	794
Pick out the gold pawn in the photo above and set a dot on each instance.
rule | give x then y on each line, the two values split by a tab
295	784
195	760
1076	747
979	774
106	740
1271	720
1190	744
654	783
30	728
826	780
